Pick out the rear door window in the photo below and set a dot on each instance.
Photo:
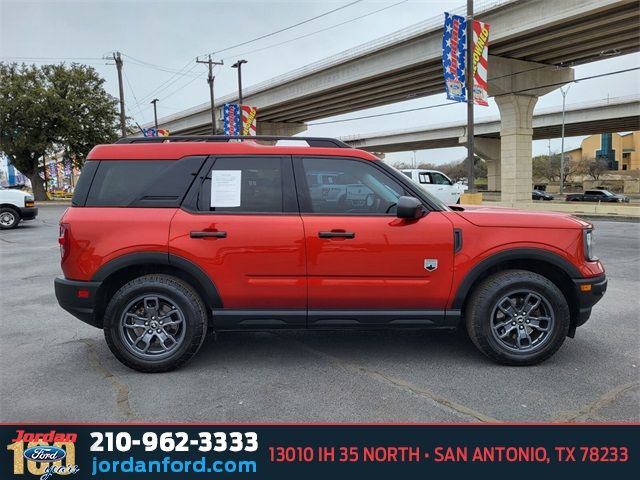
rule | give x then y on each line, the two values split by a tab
247	185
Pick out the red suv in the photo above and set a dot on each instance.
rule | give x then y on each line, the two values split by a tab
168	239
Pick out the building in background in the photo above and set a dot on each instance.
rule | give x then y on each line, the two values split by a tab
620	151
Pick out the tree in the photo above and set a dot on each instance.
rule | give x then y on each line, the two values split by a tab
594	167
548	167
51	109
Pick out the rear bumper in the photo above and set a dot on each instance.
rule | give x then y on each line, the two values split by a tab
81	307
595	286
28	213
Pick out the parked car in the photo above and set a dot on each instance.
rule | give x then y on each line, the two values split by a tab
540	195
437	184
165	241
597	196
15	205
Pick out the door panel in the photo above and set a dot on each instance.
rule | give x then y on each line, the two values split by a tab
382	266
258	264
244	230
360	256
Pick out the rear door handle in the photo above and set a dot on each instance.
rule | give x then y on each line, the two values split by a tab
335	234
208	234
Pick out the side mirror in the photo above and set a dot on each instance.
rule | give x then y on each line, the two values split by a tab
409	207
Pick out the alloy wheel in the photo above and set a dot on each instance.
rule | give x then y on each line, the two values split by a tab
522	321
152	327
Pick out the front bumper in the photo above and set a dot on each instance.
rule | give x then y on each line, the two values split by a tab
78	298
589	292
28	213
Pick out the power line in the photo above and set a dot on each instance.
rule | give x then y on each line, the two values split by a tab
317	31
590	77
135	99
171	80
142	63
289	27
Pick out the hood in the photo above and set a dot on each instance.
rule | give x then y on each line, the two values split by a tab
482	216
13	194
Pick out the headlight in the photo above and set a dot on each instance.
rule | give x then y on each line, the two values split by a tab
588	246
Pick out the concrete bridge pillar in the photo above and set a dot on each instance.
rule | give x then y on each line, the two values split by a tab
516	131
284	129
516	86
489	150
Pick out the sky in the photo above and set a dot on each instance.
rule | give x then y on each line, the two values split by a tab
159	38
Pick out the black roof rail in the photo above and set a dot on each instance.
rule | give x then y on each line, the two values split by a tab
311	141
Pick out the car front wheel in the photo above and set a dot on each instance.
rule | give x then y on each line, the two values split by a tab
517	317
155	323
9	218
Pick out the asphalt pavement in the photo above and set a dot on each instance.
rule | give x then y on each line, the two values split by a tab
55	368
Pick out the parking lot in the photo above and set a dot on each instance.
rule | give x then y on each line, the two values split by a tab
56	369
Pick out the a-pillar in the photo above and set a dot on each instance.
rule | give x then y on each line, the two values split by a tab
516	134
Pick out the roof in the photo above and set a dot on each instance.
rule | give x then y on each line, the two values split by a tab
178	147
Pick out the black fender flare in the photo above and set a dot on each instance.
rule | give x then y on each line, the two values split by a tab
535	254
207	287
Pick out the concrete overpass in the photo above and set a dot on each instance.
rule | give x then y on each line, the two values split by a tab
531	44
617	114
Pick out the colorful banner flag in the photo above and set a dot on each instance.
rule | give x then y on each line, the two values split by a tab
152	132
453	57
480	62
249	115
67	167
231	118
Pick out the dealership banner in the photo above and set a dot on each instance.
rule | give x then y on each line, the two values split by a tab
249	120
480	62
231	118
317	451
454	57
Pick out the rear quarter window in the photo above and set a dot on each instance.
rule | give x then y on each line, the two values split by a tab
142	183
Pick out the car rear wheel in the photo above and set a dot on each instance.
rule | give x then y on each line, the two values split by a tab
9	218
517	317
155	323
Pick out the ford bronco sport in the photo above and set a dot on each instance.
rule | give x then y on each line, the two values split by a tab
170	238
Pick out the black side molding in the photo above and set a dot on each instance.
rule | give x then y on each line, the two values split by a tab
535	254
457	240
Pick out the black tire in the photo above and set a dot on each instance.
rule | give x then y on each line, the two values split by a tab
9	218
502	337
175	301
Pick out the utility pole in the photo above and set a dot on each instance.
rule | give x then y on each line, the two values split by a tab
123	123
564	98
210	80
155	113
238	65
469	82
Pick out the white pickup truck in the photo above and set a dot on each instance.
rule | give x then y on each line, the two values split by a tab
15	205
437	184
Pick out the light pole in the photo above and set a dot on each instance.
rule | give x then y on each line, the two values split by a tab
155	113
564	98
238	65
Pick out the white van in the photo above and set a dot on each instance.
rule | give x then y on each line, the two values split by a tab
15	205
437	184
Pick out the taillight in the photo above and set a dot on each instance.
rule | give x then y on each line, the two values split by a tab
63	240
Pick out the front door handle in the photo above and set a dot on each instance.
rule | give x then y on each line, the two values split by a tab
208	234
336	234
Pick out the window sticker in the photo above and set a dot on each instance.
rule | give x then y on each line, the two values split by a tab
226	187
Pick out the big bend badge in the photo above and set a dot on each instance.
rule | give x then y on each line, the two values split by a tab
430	264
